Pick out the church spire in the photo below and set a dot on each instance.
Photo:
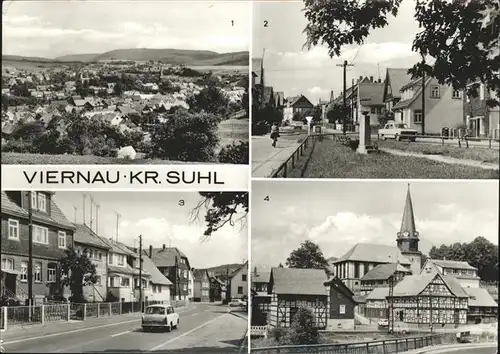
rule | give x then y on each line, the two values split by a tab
408	229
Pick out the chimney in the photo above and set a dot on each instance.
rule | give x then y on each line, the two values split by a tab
150	251
379	81
135	249
371	78
163	246
255	270
331	95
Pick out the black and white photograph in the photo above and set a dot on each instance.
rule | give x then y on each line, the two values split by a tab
102	272
115	82
372	266
392	89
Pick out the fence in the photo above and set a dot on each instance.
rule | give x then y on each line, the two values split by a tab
463	141
388	346
41	314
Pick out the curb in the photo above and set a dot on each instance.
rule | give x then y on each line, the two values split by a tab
243	341
444	347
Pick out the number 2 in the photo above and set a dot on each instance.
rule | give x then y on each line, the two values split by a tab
266	23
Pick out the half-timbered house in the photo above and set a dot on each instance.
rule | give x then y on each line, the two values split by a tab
341	305
429	299
293	288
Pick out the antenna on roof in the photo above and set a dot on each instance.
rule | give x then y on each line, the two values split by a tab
378	68
118	216
97	206
84	197
75	209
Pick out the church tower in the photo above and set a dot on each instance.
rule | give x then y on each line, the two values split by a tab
408	237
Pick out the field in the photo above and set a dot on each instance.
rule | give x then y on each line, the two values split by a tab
31	66
330	159
483	154
231	130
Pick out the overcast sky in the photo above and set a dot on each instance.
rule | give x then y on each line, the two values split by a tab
294	70
338	214
51	29
160	220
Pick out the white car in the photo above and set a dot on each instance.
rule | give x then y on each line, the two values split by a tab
160	316
237	303
397	131
383	323
400	327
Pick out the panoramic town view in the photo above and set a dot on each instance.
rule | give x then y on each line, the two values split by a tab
104	273
134	87
353	104
371	267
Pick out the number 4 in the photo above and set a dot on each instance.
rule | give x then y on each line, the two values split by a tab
267	198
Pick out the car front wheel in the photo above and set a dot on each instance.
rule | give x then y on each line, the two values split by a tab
397	137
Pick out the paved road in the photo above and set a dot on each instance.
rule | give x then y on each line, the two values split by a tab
469	351
266	159
479	348
203	328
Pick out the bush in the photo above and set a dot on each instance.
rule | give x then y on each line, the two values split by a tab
235	154
302	330
186	137
259	128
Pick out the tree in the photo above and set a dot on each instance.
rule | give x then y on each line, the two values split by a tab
317	114
5	102
235	153
335	114
186	137
308	255
302	330
118	89
280	265
221	208
77	271
210	99
452	33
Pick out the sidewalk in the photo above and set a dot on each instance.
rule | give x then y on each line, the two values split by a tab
19	332
266	159
445	347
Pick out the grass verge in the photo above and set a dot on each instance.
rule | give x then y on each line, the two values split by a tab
476	154
330	159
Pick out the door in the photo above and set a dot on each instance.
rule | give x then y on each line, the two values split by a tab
10	282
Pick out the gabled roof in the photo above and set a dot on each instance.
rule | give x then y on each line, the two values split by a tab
341	287
57	218
86	236
396	78
117	247
480	297
294	99
371	93
165	257
261	277
413	285
378	294
257	67
296	281
156	276
416	95
238	270
452	264
374	253
384	271
198	274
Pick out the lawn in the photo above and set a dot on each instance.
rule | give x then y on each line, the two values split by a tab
330	159
233	130
482	154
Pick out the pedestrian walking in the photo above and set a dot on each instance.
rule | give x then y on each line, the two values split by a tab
275	133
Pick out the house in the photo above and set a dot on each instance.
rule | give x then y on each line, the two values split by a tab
173	264
201	285
395	79
368	97
379	276
257	72
158	285
217	288
87	241
190	284
376	303
478	117
463	271
443	106
481	306
52	235
293	288
341	305
260	280
279	99
299	105
261	300
238	283
429	300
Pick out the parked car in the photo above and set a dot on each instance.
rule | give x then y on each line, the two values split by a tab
237	303
383	323
160	316
400	327
397	131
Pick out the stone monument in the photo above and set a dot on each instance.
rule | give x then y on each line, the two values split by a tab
309	119
364	134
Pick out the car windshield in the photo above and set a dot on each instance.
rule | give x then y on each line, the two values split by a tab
155	311
403	126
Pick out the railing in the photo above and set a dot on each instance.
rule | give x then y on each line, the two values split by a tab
40	314
376	347
460	141
299	151
259	331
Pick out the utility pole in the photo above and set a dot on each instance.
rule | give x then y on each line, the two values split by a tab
84	197
423	97
91	209
97	206
140	271
30	249
75	209
344	122
391	304
118	216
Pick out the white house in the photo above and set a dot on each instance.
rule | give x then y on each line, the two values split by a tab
157	287
463	271
239	282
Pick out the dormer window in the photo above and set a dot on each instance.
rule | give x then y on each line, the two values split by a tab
39	201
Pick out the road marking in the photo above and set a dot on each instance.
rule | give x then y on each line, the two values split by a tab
185	333
119	334
67	332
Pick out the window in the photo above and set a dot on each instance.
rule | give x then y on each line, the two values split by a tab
40	235
342	309
33	200
42	202
154	288
456	94
100	256
24	271
110	258
51	273
417	116
185	287
243	277
121	259
125	282
481	92
61	239
185	273
240	290
13	229
38	272
435	91
159	288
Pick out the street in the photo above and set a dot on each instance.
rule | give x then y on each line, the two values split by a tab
202	328
478	348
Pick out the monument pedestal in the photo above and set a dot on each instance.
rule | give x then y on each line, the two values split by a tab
365	143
